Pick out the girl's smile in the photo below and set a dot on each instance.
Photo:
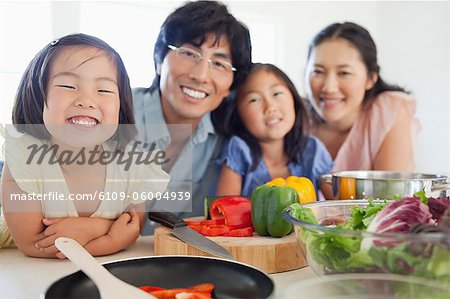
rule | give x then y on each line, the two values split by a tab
83	121
273	121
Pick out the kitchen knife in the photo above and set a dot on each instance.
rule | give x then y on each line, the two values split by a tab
188	235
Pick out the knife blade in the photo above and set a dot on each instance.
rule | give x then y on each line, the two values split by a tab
188	235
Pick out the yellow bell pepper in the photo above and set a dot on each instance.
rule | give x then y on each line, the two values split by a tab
304	187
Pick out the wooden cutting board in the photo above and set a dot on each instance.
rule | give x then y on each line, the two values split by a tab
272	255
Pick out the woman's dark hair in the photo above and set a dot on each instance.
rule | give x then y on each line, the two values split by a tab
360	38
296	139
27	115
192	22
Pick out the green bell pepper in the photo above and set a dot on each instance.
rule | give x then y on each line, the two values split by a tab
267	205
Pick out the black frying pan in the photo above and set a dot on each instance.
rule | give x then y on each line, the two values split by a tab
231	279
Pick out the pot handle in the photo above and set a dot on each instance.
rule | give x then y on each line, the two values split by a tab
437	187
327	178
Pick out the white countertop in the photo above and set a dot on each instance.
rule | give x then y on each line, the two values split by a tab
23	277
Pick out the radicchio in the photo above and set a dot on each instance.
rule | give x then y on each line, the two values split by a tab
397	217
444	222
438	206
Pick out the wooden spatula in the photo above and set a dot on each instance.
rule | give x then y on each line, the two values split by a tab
108	285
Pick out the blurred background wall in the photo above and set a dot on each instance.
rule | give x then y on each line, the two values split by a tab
412	39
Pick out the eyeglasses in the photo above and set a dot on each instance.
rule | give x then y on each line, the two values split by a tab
217	63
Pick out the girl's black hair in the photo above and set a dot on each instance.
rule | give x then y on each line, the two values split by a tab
296	139
192	22
27	115
360	38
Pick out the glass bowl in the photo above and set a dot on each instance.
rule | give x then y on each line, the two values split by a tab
365	286
333	250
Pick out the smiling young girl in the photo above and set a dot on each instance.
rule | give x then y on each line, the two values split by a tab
364	122
269	122
74	97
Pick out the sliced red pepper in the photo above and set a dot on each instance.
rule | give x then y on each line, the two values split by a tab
214	230
210	230
199	291
150	288
168	293
187	293
212	222
241	232
236	210
192	223
196	295
203	288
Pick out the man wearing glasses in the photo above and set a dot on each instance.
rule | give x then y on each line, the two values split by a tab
201	55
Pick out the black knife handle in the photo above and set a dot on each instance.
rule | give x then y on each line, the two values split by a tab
167	219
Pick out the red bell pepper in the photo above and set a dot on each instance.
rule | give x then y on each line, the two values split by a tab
213	222
192	222
230	216
195	295
180	293
203	288
199	291
214	230
241	232
235	210
149	289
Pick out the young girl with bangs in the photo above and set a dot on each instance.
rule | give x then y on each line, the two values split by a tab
74	98
269	124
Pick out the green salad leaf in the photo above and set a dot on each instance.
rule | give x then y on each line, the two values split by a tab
301	213
438	265
339	252
396	259
422	196
361	217
333	250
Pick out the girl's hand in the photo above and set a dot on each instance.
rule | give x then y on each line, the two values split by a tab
81	229
125	230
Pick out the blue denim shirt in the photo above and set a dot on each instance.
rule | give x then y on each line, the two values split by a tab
196	165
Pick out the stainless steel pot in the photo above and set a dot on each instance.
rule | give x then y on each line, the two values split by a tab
385	184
